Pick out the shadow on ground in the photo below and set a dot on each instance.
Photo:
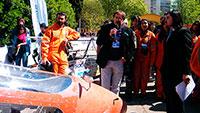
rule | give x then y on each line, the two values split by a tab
149	99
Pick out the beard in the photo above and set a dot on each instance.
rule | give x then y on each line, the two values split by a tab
118	23
60	23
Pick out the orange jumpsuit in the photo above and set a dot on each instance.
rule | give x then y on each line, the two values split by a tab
53	46
158	63
195	58
143	62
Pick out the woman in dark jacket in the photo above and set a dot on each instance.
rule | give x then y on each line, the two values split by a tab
175	67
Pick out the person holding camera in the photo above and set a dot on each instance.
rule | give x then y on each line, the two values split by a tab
110	52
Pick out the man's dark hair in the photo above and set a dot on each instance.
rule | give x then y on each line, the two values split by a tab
43	25
121	13
61	14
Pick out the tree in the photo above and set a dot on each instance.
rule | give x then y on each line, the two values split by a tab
77	5
1	7
10	11
130	7
190	10
55	6
92	14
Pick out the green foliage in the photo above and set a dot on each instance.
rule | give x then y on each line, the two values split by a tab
10	11
130	7
1	7
190	10
77	5
55	6
92	14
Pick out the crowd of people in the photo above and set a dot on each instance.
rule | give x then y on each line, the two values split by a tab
52	45
122	51
137	51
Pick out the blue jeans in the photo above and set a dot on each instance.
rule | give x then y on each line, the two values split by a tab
22	55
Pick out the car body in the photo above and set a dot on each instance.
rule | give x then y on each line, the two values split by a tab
29	91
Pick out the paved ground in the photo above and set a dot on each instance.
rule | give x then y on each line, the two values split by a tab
148	104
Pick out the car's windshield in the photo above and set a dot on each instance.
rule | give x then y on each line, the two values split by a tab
25	79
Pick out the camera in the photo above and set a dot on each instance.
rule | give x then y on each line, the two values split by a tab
117	36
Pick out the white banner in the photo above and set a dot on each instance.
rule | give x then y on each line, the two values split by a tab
39	14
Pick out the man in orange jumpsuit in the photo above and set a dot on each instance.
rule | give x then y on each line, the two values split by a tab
54	42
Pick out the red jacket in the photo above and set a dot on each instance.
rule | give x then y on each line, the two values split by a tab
159	53
195	58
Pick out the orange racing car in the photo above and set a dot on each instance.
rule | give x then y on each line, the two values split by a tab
33	91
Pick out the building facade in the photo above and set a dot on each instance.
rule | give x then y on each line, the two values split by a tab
159	6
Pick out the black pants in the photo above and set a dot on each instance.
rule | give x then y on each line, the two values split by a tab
191	106
173	102
128	74
192	103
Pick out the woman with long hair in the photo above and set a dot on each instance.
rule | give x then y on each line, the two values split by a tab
175	66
